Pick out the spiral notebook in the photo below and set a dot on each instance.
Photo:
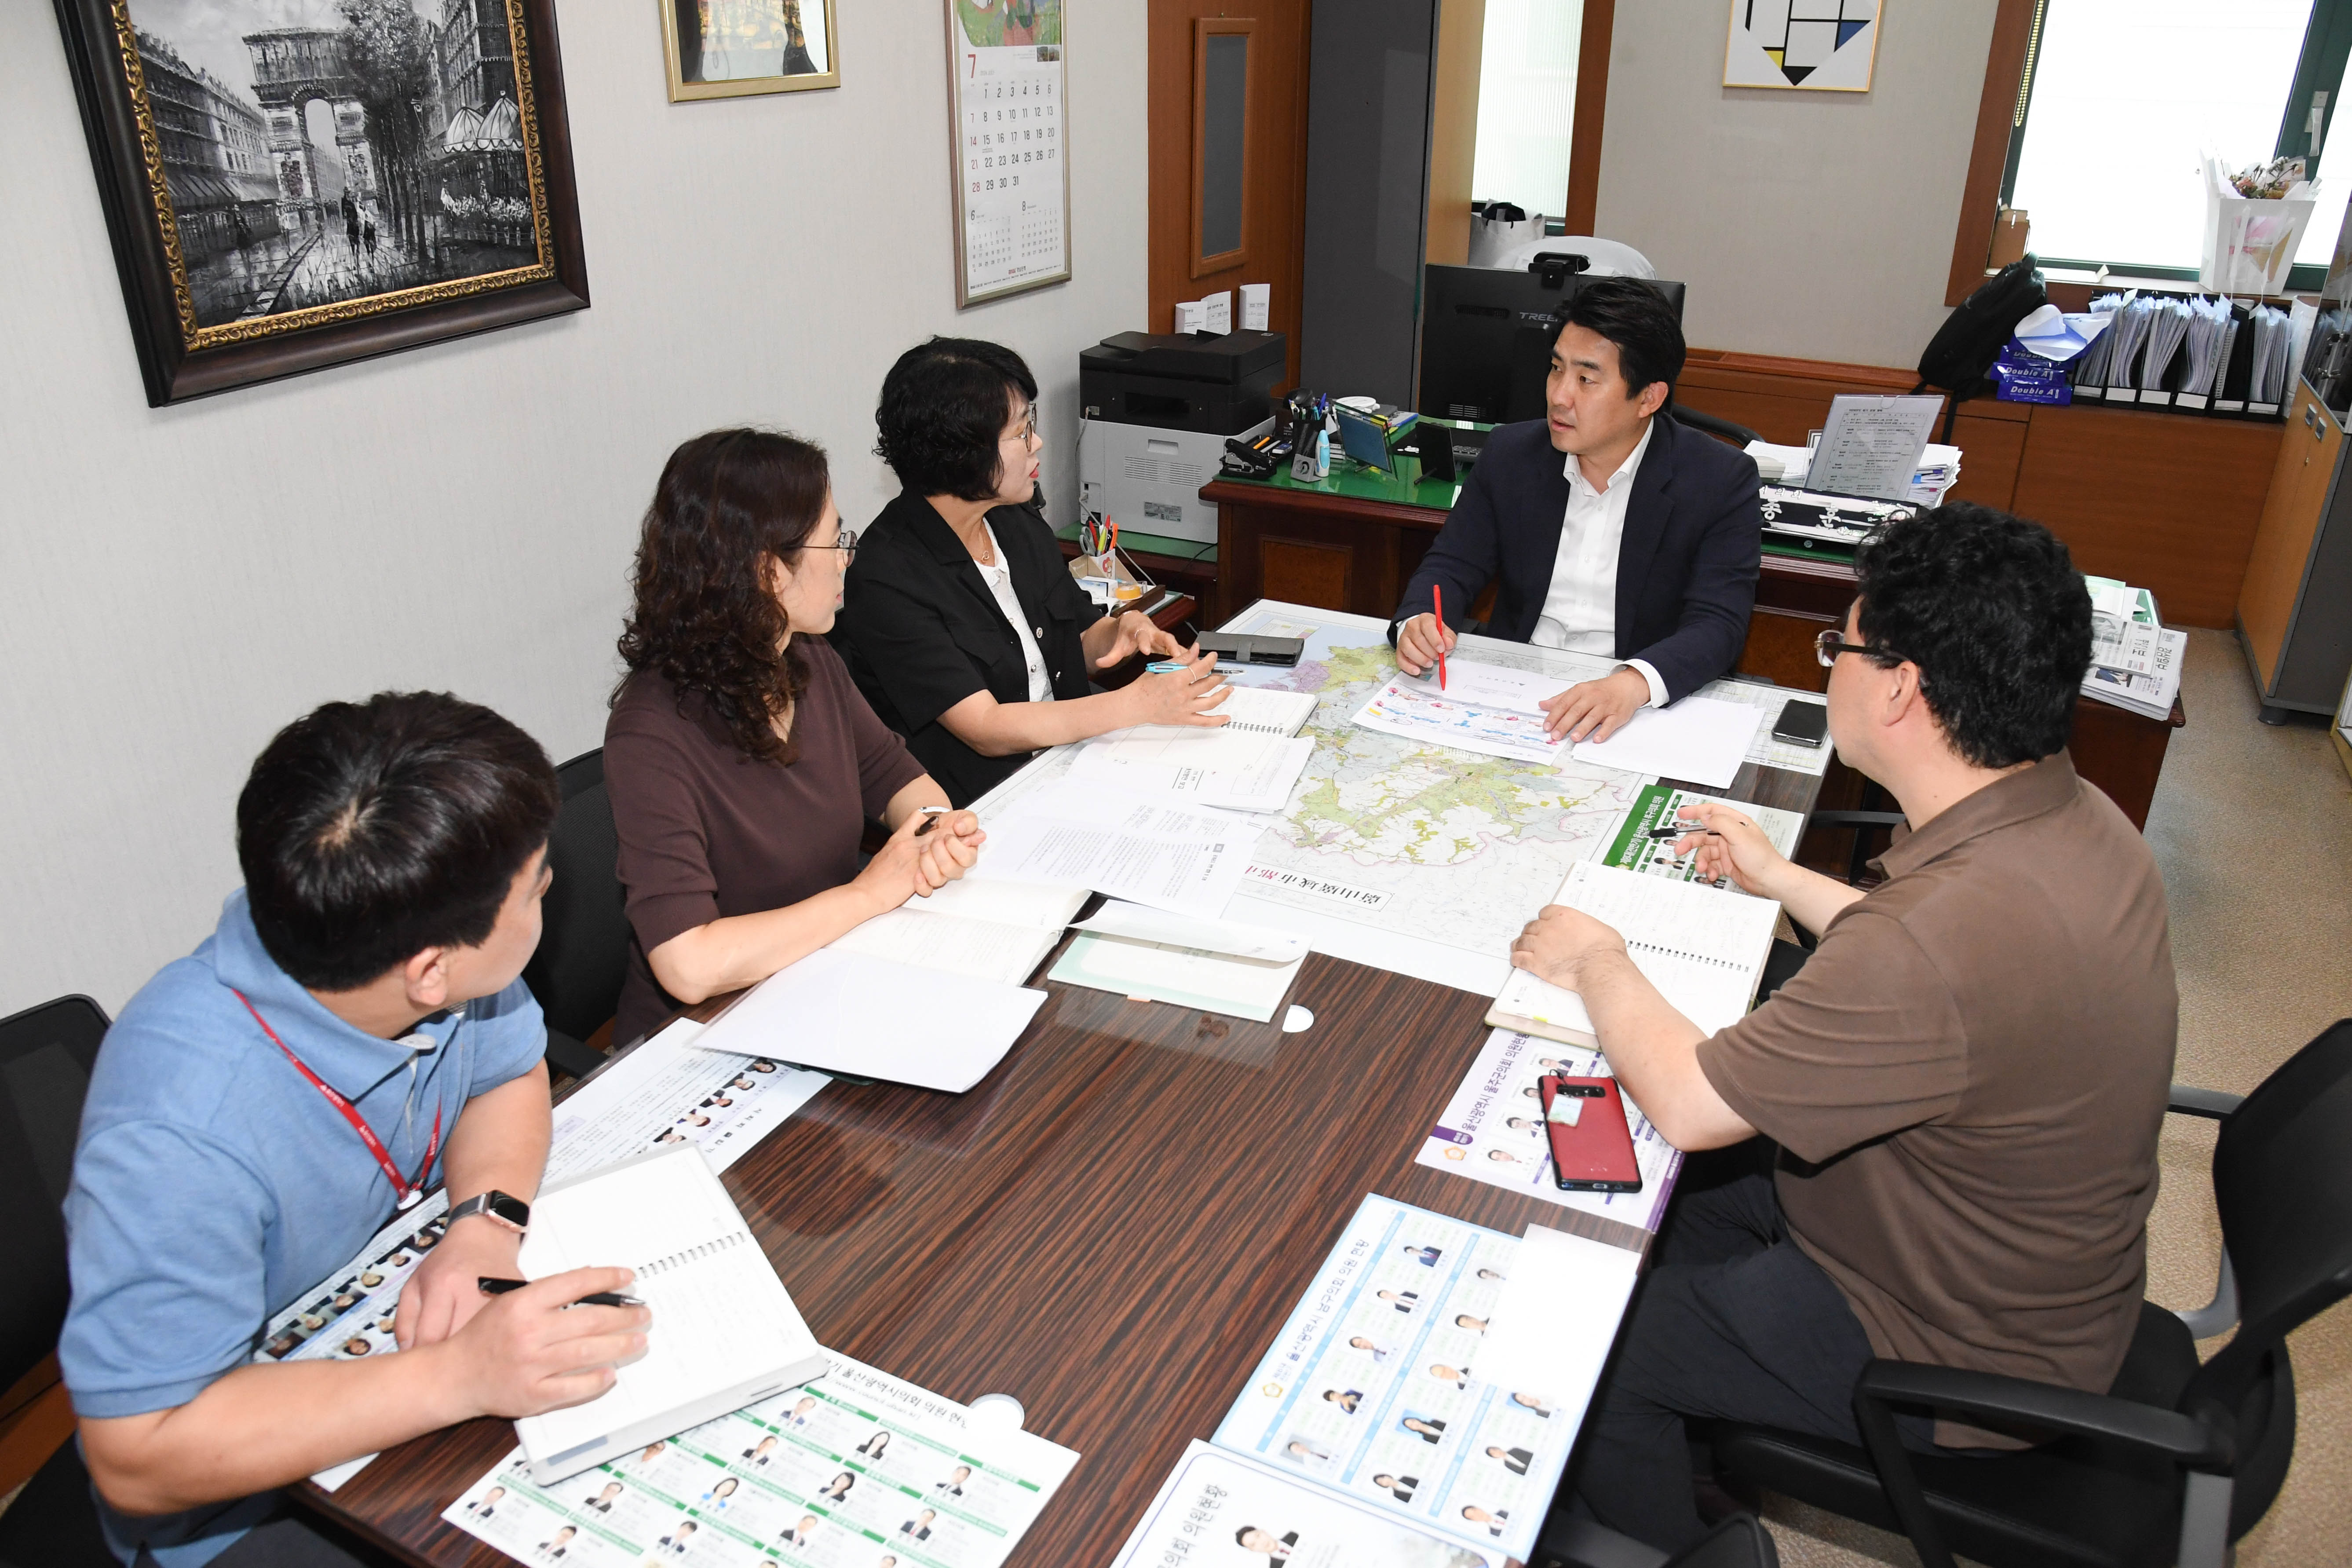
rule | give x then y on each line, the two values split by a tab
1703	948
725	1334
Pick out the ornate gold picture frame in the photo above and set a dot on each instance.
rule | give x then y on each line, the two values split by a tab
736	48
378	176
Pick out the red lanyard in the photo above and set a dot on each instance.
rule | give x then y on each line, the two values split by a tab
408	1192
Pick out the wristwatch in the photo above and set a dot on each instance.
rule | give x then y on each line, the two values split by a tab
497	1208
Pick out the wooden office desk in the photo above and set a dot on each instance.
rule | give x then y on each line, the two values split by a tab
1353	540
1112	1226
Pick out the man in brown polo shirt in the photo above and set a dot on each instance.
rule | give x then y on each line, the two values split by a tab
1961	1088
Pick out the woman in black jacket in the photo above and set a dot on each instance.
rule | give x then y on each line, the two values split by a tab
960	620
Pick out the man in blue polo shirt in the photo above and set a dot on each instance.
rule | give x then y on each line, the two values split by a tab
354	1029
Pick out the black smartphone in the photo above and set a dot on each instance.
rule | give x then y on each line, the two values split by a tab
1803	723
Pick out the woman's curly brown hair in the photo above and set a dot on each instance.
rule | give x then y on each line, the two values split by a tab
704	619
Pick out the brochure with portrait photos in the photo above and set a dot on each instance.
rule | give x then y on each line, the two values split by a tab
1372	1392
856	1470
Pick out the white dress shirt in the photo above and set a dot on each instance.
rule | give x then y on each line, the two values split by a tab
1580	612
998	578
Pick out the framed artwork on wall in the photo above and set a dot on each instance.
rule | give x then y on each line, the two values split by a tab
1816	45
1008	146
734	48
284	196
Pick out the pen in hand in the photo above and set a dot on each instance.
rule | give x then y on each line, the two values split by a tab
1685	829
931	817
495	1286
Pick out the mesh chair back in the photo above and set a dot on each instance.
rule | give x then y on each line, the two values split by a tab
46	1057
583	949
2283	1182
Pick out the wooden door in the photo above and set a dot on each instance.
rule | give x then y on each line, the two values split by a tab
1226	209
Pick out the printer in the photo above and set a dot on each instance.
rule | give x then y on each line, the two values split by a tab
1157	409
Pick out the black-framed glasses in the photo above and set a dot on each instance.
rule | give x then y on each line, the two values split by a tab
1828	645
845	541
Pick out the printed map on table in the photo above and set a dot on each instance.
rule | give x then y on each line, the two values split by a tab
1425	841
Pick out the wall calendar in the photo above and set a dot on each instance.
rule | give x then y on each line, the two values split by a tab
1007	99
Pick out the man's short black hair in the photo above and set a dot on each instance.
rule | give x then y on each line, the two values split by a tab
943	411
1991	610
1636	316
369	831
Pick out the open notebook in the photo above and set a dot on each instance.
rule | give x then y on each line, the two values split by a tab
1703	948
978	929
725	1334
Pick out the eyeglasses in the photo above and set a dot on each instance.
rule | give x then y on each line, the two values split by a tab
845	541
1829	644
1024	434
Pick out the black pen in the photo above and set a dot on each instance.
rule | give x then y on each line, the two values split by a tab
491	1286
932	816
1686	828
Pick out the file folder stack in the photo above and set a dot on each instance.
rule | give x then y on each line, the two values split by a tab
2135	661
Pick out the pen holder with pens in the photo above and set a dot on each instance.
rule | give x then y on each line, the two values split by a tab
1111	579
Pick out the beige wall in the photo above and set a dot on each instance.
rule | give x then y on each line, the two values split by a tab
1816	225
176	583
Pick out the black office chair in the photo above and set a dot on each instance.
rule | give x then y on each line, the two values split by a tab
1740	1542
46	1057
583	944
1710	424
2176	1460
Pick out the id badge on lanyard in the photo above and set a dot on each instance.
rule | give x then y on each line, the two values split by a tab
408	1192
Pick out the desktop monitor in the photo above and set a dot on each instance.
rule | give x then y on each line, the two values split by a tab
1487	337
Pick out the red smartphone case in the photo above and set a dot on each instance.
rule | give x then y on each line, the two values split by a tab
1594	1153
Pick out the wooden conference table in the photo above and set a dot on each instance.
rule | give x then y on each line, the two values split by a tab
1112	1227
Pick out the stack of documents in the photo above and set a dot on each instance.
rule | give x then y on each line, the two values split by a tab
1071	833
1248	764
2135	661
1702	948
1938	470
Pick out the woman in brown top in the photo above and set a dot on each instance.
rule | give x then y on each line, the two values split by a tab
741	762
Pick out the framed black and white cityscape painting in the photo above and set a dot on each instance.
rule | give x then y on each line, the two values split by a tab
291	184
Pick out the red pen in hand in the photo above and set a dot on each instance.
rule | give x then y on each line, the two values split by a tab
1438	594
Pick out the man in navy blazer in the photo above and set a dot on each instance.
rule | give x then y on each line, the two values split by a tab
1606	527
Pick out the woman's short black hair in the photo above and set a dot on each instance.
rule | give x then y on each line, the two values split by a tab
943	411
371	831
1991	610
1635	315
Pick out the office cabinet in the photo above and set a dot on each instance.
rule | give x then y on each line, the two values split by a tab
2294	612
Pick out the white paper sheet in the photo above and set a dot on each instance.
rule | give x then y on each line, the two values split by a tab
1184	859
756	1487
1701	739
1213	1498
1484	708
870	1017
1872	445
1039	904
1563	1290
977	950
1208	767
1492	1131
1376	1380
